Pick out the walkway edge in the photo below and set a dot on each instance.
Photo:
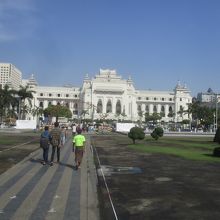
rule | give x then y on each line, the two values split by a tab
89	206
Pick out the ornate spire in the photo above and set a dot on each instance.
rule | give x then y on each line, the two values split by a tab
129	79
32	80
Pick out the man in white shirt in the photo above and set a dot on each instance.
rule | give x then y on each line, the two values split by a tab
74	130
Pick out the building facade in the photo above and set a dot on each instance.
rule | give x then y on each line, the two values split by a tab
108	96
206	97
10	75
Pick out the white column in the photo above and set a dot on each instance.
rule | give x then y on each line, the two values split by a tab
45	103
166	110
158	108
151	109
104	105
114	101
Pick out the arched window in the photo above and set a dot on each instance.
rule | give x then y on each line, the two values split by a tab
147	108
155	109
75	112
140	113
109	107
171	113
75	106
41	104
118	107
99	106
162	111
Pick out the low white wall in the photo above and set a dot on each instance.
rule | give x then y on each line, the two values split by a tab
124	127
26	124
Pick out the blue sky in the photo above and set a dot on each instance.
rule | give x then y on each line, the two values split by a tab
157	42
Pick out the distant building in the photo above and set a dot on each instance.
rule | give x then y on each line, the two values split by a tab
109	96
10	75
209	99
208	96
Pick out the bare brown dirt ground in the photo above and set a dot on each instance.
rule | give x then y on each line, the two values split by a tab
168	187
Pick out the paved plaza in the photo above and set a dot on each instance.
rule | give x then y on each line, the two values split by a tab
30	190
128	185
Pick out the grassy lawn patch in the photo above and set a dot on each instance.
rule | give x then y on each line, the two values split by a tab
14	139
192	148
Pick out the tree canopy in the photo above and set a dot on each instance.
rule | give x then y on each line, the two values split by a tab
136	133
58	111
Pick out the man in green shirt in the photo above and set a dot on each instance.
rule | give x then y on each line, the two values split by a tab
79	147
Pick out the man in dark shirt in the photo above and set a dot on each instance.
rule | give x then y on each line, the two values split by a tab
55	142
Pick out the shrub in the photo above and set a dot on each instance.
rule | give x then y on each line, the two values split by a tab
157	132
217	136
136	133
216	152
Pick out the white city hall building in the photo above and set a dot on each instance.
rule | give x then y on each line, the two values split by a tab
108	96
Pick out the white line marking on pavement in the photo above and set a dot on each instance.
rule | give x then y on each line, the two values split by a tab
52	210
56	197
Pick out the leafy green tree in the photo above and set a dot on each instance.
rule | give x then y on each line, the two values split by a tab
185	121
205	116
123	114
157	133
171	114
216	151
162	114
217	136
58	111
201	113
136	133
24	93
154	117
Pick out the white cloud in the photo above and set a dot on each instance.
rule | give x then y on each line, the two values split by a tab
16	19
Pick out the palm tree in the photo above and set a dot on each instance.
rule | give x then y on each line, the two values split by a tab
37	111
24	93
7	100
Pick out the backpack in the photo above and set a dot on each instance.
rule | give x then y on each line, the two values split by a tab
44	142
55	135
55	141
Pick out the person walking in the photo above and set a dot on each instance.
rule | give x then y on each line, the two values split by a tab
78	147
55	142
45	139
74	129
63	136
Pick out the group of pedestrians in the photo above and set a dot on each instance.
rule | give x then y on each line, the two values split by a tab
56	138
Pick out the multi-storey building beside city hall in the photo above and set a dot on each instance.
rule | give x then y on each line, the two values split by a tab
108	96
10	75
